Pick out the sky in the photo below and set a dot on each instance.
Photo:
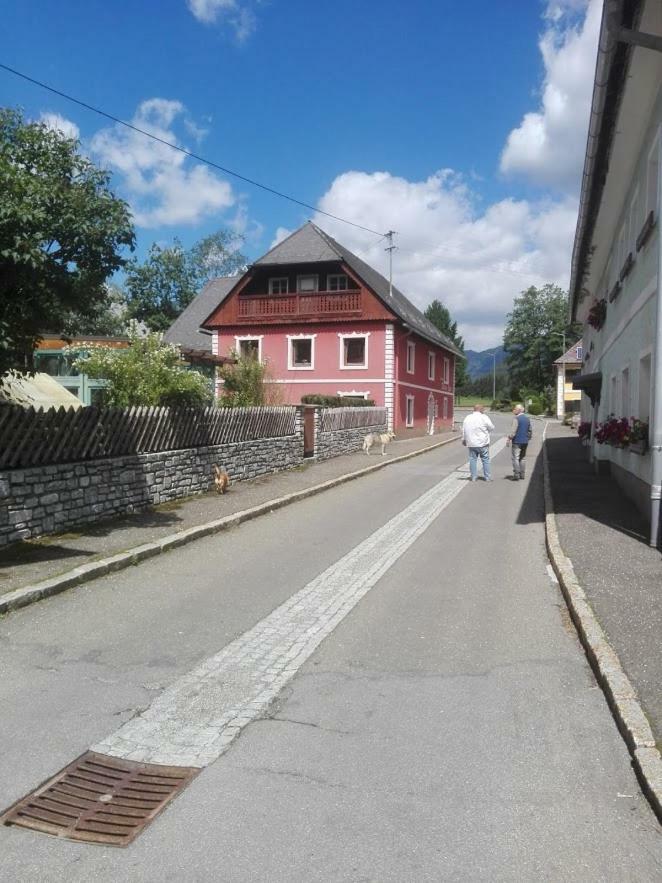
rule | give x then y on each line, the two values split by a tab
460	126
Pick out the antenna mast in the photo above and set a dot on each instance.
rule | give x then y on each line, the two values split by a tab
390	249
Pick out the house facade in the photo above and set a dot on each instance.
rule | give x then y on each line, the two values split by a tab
568	367
325	322
616	266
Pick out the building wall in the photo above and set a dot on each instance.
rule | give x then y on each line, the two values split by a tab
417	387
622	350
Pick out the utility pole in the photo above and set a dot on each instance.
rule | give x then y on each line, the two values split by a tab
390	249
493	377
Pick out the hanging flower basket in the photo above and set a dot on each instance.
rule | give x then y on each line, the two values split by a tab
597	314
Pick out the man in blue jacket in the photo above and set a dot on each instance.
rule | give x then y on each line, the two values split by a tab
519	437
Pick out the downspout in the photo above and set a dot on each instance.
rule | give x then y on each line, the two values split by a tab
656	422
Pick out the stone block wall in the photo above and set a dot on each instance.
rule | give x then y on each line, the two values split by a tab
53	499
342	441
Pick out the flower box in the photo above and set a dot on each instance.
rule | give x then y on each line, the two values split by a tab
638	447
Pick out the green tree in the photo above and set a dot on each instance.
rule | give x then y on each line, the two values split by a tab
440	317
62	232
161	287
110	318
147	372
244	383
533	337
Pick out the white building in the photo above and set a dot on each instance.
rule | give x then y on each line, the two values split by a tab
616	266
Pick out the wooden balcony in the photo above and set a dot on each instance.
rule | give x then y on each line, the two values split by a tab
311	305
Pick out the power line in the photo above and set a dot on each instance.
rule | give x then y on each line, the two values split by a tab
183	150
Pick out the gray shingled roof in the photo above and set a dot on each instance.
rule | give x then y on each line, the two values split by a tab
185	330
310	244
570	355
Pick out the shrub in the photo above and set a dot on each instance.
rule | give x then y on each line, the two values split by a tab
243	383
336	401
535	409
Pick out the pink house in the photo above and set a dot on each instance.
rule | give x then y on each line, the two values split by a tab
325	322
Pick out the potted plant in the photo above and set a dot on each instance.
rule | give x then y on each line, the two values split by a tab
597	314
638	436
623	432
584	432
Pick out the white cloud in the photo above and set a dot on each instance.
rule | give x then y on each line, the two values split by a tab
548	146
474	262
236	15
58	123
162	186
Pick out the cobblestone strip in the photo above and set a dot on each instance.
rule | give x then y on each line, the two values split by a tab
196	718
618	689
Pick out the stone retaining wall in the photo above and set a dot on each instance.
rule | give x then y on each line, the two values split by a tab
52	499
343	441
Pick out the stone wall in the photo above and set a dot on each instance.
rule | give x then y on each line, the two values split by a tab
52	499
343	441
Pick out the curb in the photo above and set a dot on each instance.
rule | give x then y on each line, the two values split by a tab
26	595
617	687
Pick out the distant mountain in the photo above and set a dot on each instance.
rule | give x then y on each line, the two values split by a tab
481	363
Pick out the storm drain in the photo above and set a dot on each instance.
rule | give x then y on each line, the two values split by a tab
100	799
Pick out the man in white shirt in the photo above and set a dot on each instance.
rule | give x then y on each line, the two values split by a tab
476	430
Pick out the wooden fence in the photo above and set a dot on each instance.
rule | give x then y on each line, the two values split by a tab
332	419
31	437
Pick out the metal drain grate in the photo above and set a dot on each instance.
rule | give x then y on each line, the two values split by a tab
100	799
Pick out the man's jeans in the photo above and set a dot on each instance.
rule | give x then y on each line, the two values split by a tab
518	455
484	454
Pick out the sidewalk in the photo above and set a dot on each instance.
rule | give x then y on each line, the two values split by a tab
53	557
605	538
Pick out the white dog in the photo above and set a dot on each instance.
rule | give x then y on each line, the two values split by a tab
374	438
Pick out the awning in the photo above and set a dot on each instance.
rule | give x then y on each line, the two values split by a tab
591	384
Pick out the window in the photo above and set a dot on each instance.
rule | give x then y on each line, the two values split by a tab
279	285
249	347
447	371
445	408
301	352
625	392
353	350
307	283
336	283
353	394
579	353
644	410
411	356
431	365
409	416
652	178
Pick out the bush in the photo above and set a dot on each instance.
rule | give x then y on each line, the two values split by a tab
535	409
336	401
243	383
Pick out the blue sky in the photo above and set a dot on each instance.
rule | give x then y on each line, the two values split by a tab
460	126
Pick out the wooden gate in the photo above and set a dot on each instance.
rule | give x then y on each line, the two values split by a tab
309	431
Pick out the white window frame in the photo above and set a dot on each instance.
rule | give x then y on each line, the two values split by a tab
284	279
337	276
314	276
645	354
411	357
432	364
290	352
350	336
653	158
446	377
409	421
354	394
239	338
444	408
579	353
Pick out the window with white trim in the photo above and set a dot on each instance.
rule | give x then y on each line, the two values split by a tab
653	177
409	410
306	284
343	394
411	357
249	347
353	351
431	364
278	285
579	352
301	352
337	282
445	408
446	378
644	410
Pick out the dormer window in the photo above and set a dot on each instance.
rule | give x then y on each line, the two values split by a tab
337	282
306	284
278	285
579	354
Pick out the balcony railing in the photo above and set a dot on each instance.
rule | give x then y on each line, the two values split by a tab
318	303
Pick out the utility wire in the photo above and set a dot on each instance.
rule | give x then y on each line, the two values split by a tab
183	150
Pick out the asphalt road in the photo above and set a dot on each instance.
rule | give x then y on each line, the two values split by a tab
449	728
